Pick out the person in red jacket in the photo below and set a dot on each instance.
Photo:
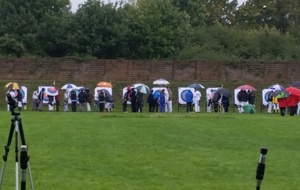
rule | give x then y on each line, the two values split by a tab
283	103
292	102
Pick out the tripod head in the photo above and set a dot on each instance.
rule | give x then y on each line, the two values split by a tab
12	104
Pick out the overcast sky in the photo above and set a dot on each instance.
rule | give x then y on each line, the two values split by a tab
75	3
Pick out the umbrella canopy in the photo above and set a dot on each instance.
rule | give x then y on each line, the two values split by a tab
293	90
280	94
104	84
296	84
51	91
224	92
276	87
161	82
13	86
142	88
246	87
68	86
196	85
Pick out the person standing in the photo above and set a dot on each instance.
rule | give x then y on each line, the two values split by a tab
224	103
242	98
197	98
133	100
101	101
155	100
162	101
81	100
282	105
189	101
275	105
73	97
88	99
126	98
251	97
57	100
66	101
150	101
19	99
35	100
139	102
208	102
41	98
169	101
96	100
270	102
292	102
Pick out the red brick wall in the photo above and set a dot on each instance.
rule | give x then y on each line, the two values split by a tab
135	70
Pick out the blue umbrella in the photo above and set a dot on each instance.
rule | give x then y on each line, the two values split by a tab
276	87
68	86
196	86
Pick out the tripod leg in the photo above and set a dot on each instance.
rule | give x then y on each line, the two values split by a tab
11	132
24	158
17	150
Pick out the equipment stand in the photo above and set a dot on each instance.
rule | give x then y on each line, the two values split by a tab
16	126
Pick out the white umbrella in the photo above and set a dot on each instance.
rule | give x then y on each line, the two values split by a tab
68	86
142	88
161	82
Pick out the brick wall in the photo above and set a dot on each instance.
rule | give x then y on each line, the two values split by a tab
135	70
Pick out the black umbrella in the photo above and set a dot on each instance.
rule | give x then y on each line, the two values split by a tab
224	92
296	84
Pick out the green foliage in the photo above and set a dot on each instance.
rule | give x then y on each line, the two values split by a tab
156	29
9	46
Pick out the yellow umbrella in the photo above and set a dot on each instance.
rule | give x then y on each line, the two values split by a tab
13	86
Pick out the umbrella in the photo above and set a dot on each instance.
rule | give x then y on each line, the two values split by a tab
142	88
104	84
51	91
246	87
280	94
13	86
68	86
196	86
161	82
293	90
224	92
296	84
276	87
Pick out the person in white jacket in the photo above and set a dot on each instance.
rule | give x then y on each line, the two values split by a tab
197	97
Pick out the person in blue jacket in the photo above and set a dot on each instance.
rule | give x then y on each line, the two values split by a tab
189	101
155	100
162	101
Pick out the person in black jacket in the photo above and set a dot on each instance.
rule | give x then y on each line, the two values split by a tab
41	98
101	101
88	99
251	97
73	97
150	101
126	98
133	100
81	100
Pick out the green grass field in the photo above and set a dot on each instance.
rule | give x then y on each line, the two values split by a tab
134	151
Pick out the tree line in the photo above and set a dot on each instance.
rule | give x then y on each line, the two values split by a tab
156	29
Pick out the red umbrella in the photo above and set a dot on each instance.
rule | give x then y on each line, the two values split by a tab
246	87
293	90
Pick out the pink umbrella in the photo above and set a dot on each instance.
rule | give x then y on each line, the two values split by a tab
246	87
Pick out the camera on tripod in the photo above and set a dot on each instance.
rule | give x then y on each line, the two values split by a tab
11	101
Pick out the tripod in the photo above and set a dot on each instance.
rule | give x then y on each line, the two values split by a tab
16	126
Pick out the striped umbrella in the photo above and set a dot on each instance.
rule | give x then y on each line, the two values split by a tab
13	86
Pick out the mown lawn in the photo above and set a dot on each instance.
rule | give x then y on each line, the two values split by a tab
118	151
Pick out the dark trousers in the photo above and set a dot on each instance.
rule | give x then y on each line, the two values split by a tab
151	107
155	105
292	110
282	111
133	106
74	104
57	104
101	106
125	106
189	107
